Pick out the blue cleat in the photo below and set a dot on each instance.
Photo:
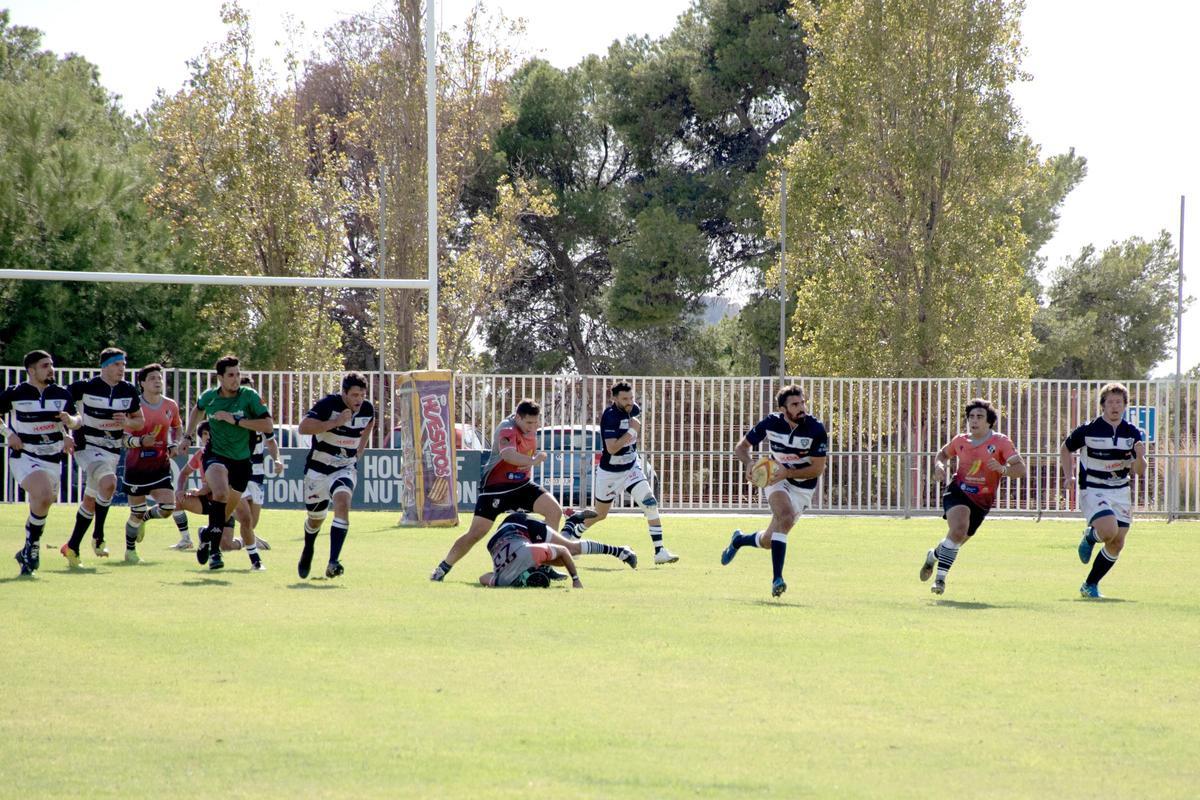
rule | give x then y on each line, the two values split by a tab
1085	546
729	552
778	587
1090	591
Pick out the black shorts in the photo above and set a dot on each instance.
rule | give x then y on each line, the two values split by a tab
955	496
142	482
239	470
492	504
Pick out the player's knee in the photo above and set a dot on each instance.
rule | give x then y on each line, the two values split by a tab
318	511
785	521
139	512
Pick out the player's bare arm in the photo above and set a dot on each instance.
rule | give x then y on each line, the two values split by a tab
1139	464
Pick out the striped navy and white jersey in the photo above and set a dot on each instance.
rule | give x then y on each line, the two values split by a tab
1107	452
338	448
35	420
99	402
792	447
258	456
614	423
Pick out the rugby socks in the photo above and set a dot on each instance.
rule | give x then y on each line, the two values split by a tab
181	522
131	532
587	547
252	551
33	531
442	570
216	516
101	514
945	553
656	535
1091	536
746	540
1100	566
337	537
83	519
778	553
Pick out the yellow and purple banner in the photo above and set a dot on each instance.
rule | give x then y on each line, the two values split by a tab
430	481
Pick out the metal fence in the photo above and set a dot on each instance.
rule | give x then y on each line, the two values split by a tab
884	433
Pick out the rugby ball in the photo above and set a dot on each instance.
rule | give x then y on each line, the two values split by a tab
762	471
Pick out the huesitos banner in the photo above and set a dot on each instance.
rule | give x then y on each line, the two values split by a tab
425	401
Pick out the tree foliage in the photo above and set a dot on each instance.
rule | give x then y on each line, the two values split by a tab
72	173
905	197
232	163
1110	314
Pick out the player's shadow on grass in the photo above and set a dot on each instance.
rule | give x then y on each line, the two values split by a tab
772	603
964	605
79	571
1095	600
201	582
314	585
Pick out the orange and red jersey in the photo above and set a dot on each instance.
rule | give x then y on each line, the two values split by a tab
973	477
499	474
160	420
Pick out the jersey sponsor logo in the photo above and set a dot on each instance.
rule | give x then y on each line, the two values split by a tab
975	467
968	488
44	427
624	424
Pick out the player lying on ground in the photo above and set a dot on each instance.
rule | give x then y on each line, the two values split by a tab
521	548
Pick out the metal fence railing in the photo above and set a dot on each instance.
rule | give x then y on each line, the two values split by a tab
883	432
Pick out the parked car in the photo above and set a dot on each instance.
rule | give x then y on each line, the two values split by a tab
573	455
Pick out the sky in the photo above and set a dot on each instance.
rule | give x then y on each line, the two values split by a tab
1117	82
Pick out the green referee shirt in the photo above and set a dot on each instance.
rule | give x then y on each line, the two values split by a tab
224	438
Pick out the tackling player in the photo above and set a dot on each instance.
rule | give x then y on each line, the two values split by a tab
982	458
37	442
519	547
1112	450
507	483
799	447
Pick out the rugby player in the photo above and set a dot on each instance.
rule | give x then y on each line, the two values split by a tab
231	410
1112	450
982	458
507	483
149	470
799	447
621	471
521	548
340	425
111	408
42	411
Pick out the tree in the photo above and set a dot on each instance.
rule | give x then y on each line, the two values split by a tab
232	164
905	199
370	96
1110	315
72	174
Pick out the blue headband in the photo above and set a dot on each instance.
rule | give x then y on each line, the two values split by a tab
108	362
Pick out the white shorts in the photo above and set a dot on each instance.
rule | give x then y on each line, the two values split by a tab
319	487
801	498
1102	502
96	464
610	484
24	466
254	493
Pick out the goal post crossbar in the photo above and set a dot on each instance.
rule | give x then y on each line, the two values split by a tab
211	280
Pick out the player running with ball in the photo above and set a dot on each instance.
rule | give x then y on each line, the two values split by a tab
799	448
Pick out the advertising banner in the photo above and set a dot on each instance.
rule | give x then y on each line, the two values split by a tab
379	480
429	485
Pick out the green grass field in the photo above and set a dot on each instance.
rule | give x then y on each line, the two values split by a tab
162	679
